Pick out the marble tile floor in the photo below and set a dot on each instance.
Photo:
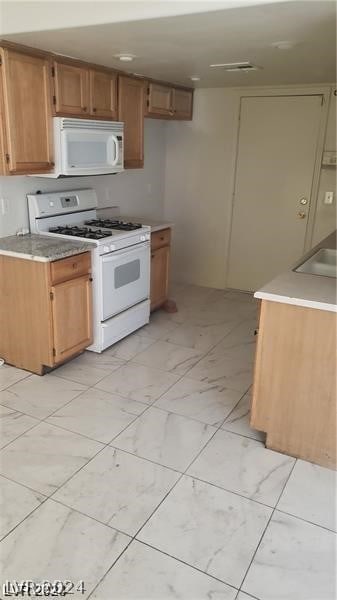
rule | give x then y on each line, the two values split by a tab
136	471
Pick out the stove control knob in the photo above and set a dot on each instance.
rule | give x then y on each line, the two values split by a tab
112	247
142	238
147	236
106	248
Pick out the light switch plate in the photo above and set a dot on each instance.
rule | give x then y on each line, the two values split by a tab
328	198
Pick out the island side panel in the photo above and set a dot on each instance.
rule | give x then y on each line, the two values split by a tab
294	393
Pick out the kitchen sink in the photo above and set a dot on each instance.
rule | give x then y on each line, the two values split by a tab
323	262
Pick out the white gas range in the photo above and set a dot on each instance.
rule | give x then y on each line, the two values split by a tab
120	259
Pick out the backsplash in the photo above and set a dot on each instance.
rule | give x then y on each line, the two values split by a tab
138	191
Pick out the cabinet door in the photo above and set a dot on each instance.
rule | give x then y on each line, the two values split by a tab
182	104
131	101
103	94
71	89
72	318
160	260
26	111
160	100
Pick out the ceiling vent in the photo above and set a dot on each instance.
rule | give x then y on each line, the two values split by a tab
242	66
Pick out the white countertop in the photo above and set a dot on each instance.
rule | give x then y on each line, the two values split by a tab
303	289
42	248
155	225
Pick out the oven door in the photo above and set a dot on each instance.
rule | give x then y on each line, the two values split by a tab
125	279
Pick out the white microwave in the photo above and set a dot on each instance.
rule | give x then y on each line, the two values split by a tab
87	147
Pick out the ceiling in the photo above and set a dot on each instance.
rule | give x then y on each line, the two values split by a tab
173	48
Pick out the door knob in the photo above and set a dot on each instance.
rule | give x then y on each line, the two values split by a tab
303	201
301	215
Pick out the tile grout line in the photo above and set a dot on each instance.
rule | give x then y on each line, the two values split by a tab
108	445
73	475
266	527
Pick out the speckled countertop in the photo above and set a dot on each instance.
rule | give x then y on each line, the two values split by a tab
42	248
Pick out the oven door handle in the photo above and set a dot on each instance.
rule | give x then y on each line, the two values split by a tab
113	256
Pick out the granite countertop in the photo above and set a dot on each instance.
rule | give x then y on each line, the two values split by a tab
155	225
42	248
304	289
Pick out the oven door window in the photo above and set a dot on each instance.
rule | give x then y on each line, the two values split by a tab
125	279
127	273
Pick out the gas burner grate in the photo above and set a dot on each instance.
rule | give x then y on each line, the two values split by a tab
114	224
82	232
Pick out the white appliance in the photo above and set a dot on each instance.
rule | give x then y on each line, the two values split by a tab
120	259
87	147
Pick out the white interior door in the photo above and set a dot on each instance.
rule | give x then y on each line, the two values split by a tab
275	165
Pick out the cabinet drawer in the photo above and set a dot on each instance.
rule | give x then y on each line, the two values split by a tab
160	238
68	268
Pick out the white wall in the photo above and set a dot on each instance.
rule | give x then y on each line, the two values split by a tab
199	177
200	162
325	219
138	192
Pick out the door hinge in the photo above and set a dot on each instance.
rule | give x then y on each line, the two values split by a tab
53	71
54	352
7	158
322	100
54	99
51	295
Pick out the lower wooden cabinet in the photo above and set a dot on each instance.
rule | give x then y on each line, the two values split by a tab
71	314
45	311
294	391
160	263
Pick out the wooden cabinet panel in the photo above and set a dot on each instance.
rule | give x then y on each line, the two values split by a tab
131	102
160	238
26	111
36	318
68	268
71	314
160	261
71	89
103	94
294	391
160	100
182	104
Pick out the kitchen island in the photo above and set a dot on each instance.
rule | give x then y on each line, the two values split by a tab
294	391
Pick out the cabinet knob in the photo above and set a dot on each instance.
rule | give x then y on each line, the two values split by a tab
152	255
84	109
94	110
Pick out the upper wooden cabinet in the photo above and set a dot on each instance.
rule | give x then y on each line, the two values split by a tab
167	102
103	94
182	104
131	106
25	113
36	85
159	100
71	89
80	91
